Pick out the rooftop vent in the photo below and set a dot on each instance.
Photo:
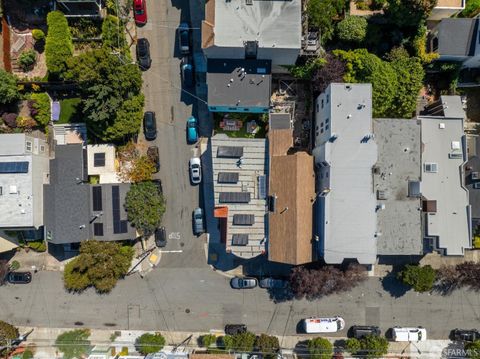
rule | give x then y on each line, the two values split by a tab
455	145
13	189
441	126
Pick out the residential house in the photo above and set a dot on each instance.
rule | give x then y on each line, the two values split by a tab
292	196
445	9
80	8
472	180
76	210
345	153
240	175
445	200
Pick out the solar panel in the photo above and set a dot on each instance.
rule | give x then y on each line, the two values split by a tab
97	198
116	209
99	159
13	167
239	239
229	152
98	229
243	219
227	177
262	187
234	197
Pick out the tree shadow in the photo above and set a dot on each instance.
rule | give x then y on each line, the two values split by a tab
281	295
39	46
301	349
393	286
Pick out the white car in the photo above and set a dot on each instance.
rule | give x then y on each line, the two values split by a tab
195	166
409	334
323	325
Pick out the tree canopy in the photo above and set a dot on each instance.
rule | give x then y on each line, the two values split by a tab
100	264
74	344
145	207
268	345
149	343
421	279
58	44
320	348
321	15
242	342
473	349
7	333
113	34
8	88
352	29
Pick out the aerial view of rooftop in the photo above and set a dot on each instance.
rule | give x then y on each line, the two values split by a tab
239	179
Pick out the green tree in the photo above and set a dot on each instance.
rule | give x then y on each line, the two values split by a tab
8	88
207	340
421	279
7	333
145	207
321	14
320	348
268	345
472	8
242	342
100	264
74	344
352	29
473	349
149	343
38	34
409	13
58	44
305	71
113	34
41	110
27	59
353	345
373	346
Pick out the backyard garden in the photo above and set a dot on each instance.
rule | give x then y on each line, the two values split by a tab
245	125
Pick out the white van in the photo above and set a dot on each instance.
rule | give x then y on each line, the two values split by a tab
409	334
323	325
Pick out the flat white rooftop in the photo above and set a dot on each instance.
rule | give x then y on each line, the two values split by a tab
444	153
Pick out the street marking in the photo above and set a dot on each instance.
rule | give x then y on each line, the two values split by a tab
174	235
179	251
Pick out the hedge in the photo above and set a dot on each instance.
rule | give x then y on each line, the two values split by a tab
58	44
41	107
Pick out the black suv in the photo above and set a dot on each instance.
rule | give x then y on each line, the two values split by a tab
361	331
465	335
232	329
149	126
160	237
143	54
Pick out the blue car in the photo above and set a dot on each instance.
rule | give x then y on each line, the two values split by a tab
187	75
192	133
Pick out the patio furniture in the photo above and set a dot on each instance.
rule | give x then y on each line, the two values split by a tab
231	125
252	127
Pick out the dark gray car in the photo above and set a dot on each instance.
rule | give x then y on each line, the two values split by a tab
273	283
149	126
361	331
198	228
143	54
243	283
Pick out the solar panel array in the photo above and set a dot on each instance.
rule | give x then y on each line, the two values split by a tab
243	219
227	177
13	167
97	198
118	225
239	239
229	152
234	197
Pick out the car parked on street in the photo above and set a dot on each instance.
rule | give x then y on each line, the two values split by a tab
160	237
407	334
195	166
197	218
465	335
243	283
233	329
192	132
143	54
361	331
323	325
152	153
273	283
19	277
187	73
149	126
140	12
184	38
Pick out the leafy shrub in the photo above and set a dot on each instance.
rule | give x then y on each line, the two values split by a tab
27	59
37	246
10	119
26	122
149	343
38	34
74	343
58	44
320	348
14	265
268	345
27	354
352	29
321	15
41	105
242	342
476	242
7	333
473	349
472	8
420	45
305	72
113	34
352	345
8	88
421	279
207	340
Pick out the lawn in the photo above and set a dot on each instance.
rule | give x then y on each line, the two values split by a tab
242	133
70	111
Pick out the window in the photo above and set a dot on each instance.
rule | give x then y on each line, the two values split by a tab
29	146
99	159
42	148
321	131
1	190
327	120
431	167
98	229
328	98
322	102
318	109
327	127
321	125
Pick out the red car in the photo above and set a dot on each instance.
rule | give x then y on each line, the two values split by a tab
140	11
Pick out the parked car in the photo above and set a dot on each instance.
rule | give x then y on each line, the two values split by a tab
143	54
187	73
272	283
409	334
192	132
243	283
184	38
232	329
152	153
195	166
360	331
140	12
19	277
465	335
149	126
160	237
197	219
323	325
